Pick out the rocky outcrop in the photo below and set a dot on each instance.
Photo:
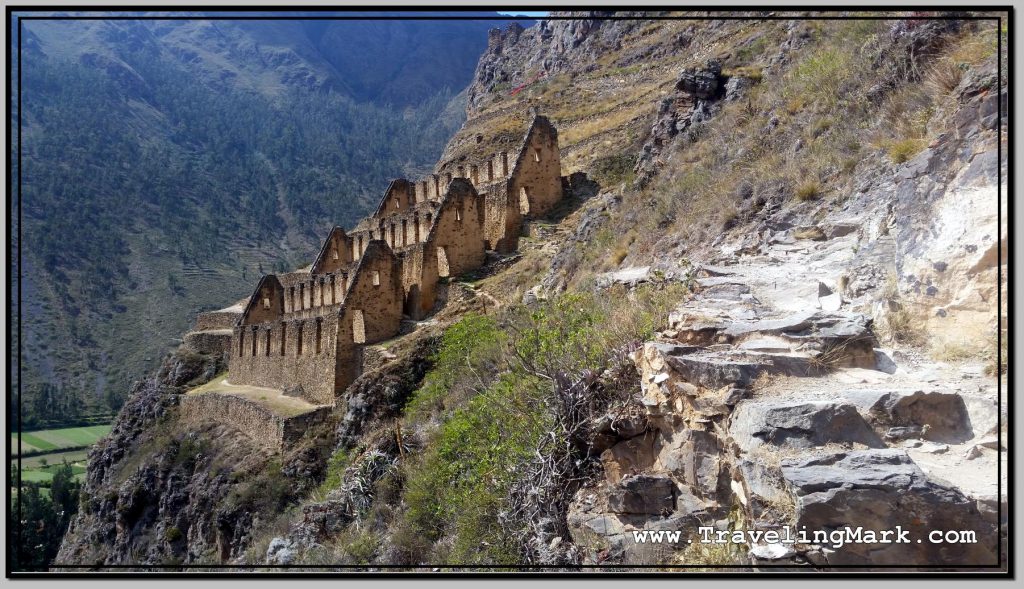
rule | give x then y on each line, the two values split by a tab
160	492
379	395
933	415
698	91
551	47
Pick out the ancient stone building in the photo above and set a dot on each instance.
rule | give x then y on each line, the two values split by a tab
303	332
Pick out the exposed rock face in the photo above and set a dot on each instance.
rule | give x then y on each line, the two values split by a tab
380	394
945	414
949	250
552	46
643	494
824	448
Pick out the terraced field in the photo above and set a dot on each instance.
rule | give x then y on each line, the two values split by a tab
48	450
55	440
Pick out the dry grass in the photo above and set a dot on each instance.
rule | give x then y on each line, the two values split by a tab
584	130
999	356
750	72
905	149
214	383
943	77
272	399
619	254
897	325
813	233
712	555
975	48
781	505
901	327
808	190
951	351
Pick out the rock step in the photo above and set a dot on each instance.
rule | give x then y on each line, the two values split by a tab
830	338
881	489
799	425
873	418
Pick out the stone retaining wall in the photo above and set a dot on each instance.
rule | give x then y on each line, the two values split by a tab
253	419
211	320
214	341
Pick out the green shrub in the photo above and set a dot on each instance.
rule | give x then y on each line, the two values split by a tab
362	548
821	75
475	341
265	491
172	534
457	489
460	485
336	465
752	49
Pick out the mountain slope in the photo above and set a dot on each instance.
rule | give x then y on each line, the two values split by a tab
754	318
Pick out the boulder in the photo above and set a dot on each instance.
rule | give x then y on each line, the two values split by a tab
280	552
884	361
759	488
799	424
767	344
736	87
627	276
831	303
882	489
991	442
793	323
639	494
842	339
702	83
615	426
714	371
841	229
984	414
892	412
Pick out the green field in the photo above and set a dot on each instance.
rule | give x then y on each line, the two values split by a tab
54	440
36	476
40	469
71	457
60	445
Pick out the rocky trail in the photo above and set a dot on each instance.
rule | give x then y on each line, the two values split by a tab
769	401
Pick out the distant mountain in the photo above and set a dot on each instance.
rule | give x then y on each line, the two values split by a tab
168	163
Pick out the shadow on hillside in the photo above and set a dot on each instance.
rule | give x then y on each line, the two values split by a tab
577	188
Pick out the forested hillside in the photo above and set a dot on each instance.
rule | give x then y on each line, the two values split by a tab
168	164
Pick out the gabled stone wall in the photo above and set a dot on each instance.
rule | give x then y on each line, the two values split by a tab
536	181
303	332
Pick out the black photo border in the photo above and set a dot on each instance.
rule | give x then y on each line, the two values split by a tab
15	14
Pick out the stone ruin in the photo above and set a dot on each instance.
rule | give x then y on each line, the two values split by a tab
303	332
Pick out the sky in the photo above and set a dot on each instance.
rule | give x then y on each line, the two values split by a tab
523	13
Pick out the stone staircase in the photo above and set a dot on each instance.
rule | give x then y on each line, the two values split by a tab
769	402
